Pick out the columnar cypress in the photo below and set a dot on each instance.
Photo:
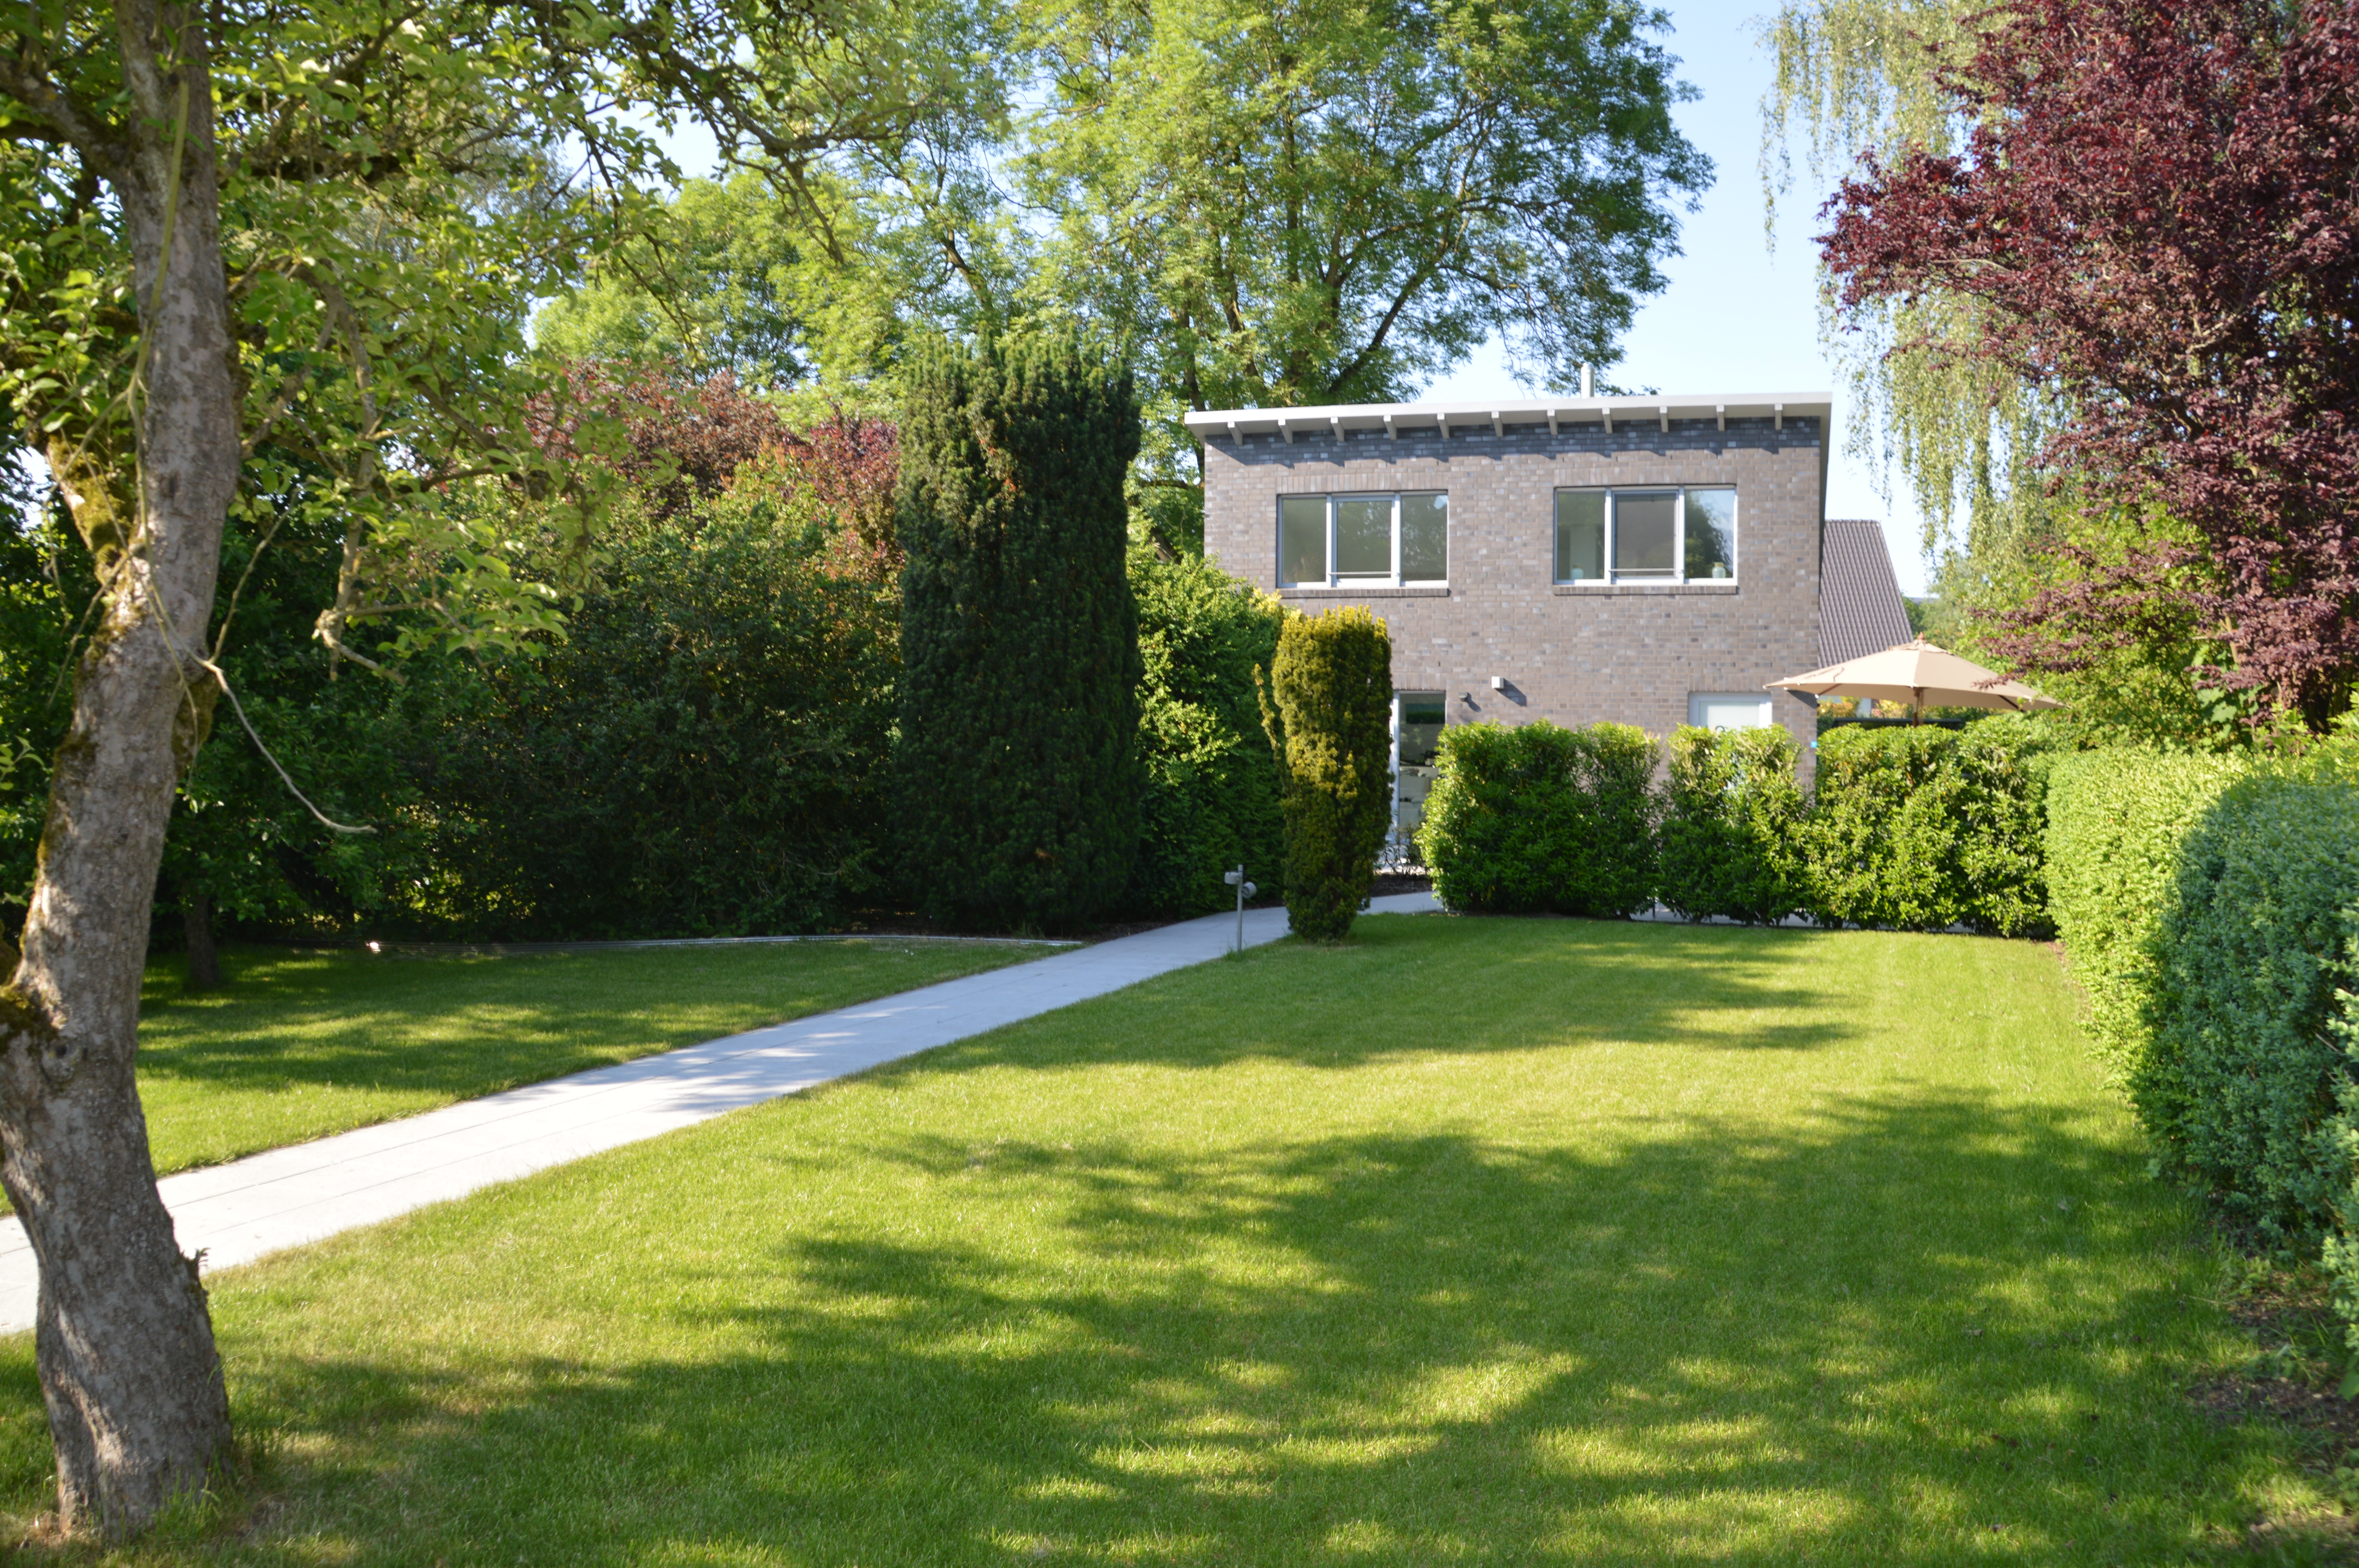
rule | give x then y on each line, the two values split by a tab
1327	706
1019	638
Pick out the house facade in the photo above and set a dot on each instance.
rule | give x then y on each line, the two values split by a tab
1651	560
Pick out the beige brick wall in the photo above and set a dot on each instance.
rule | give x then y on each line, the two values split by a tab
1573	656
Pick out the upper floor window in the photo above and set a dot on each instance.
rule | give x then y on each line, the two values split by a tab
1670	534
1362	541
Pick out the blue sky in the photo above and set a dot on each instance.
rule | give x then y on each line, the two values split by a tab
1738	316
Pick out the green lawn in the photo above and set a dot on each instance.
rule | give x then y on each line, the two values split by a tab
305	1043
1475	1242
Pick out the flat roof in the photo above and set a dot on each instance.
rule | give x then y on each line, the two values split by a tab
1331	419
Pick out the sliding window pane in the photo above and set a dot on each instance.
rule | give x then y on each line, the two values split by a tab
1363	536
1579	536
1712	534
1302	539
1425	538
1644	527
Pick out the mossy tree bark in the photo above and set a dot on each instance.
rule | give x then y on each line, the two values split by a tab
122	1337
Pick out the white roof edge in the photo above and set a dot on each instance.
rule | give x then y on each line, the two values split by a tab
1371	415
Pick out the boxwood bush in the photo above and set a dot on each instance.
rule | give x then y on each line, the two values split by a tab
1924	828
1542	819
1731	815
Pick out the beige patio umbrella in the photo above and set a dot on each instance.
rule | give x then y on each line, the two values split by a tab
1918	674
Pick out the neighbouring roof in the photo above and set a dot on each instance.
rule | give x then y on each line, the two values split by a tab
1653	408
1860	607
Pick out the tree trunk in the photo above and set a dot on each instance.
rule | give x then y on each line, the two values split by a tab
124	1343
197	921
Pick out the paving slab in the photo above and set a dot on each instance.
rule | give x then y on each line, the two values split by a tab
285	1197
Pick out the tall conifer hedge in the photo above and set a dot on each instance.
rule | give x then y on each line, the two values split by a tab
1019	638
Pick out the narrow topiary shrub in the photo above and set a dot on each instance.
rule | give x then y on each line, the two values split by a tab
1541	819
1019	640
1731	813
1327	707
1210	797
1921	828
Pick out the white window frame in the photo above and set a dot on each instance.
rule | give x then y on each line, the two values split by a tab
1392	577
1678	533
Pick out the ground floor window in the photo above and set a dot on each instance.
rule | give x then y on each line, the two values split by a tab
1729	710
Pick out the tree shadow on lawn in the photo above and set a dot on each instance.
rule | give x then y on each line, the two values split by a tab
1934	1331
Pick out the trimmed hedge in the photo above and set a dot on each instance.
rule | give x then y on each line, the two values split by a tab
1731	812
1922	828
2118	821
1542	819
1328	709
2209	909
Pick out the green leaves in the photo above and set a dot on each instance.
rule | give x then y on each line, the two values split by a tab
1540	820
1019	638
1328	709
1316	203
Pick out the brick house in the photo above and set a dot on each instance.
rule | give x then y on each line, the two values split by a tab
1653	560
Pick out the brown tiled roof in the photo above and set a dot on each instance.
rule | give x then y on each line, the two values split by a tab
1859	611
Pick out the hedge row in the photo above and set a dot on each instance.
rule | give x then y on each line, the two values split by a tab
1540	820
1912	829
2209	911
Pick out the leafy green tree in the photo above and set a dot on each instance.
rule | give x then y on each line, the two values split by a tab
1858	76
707	285
251	255
1327	705
1019	638
1298	202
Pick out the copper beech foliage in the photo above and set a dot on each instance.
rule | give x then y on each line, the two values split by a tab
2159	203
675	440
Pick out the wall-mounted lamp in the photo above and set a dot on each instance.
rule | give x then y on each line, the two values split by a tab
1498	683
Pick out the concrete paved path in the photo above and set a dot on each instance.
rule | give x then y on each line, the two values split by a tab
285	1197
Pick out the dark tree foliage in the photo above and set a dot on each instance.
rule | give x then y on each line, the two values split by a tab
240	847
705	754
1327	706
1211	797
1019	638
2157	210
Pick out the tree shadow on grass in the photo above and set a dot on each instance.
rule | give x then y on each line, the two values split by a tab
1939	1331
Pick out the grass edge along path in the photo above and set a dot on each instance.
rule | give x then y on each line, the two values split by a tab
302	1045
1471	1241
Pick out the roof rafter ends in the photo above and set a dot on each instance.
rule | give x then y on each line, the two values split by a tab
1392	418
